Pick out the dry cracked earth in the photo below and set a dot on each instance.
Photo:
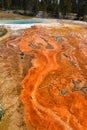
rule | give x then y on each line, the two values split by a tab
43	79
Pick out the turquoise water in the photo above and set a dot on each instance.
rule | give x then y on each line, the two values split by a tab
31	21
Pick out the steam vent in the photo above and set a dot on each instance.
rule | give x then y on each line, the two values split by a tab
43	79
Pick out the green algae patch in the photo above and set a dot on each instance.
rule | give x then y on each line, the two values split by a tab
3	31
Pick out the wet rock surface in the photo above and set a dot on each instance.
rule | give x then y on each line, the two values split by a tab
43	79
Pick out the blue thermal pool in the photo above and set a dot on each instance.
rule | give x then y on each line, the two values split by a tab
30	21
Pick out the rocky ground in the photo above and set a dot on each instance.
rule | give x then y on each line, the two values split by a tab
43	79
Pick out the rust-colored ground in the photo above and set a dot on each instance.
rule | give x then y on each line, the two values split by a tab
55	88
55	85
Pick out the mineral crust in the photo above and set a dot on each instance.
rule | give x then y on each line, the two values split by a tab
53	65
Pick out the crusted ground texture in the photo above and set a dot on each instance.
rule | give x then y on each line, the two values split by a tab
43	77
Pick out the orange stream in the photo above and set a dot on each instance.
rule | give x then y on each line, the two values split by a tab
48	96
